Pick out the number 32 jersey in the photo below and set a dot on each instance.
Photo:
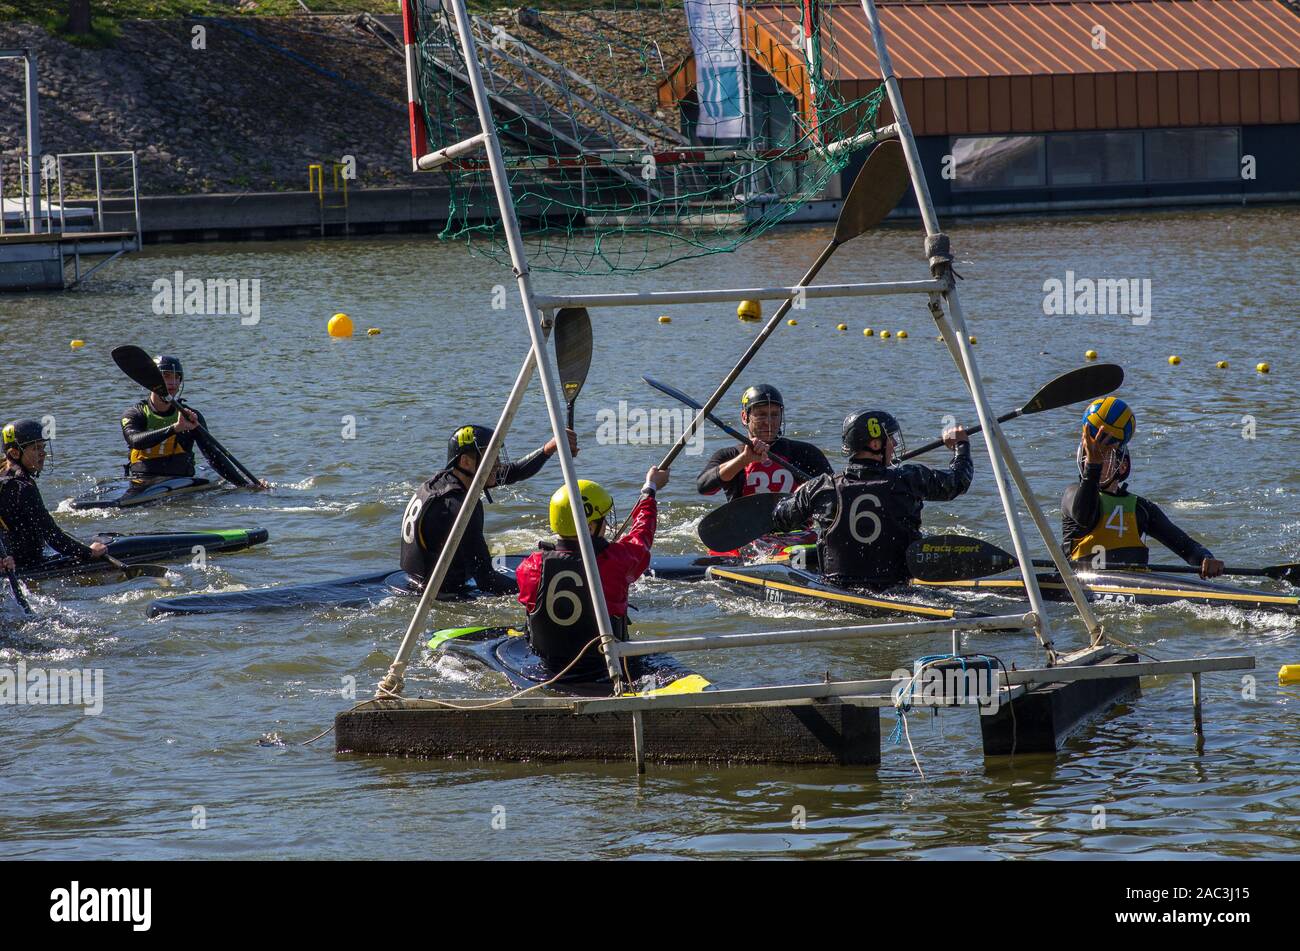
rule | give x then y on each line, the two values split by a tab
759	477
868	515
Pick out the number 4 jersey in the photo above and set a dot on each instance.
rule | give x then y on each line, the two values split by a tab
766	476
868	515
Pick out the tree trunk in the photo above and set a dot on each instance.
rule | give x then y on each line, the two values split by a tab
79	17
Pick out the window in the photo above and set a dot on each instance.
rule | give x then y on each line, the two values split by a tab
1013	161
1094	158
1179	155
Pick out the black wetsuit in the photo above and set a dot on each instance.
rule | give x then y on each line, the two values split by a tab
159	452
428	520
1116	522
27	524
763	477
870	513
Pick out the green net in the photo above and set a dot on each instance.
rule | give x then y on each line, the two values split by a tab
638	132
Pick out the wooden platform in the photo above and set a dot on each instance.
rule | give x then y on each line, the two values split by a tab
829	732
827	723
1042	718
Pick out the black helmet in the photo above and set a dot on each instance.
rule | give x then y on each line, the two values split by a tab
758	395
169	364
468	439
23	432
861	428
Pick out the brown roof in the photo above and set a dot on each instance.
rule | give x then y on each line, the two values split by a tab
955	39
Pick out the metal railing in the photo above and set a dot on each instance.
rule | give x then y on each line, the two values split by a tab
72	180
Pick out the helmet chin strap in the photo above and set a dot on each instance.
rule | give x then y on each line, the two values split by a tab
487	494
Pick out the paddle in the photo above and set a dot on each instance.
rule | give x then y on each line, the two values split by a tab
136	571
1085	383
879	186
572	352
740	521
962	558
13	583
733	433
139	366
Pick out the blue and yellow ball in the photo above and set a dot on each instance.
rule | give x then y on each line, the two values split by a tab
1112	416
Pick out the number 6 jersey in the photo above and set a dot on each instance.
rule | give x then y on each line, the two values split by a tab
868	515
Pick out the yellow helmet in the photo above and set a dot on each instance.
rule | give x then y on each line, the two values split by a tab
749	310
595	501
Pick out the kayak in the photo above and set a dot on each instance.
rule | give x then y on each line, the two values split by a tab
119	494
360	590
776	582
139	548
1133	587
780	583
506	651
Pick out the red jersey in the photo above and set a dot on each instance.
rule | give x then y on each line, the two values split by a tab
620	562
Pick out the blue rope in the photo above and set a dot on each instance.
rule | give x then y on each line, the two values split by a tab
903	706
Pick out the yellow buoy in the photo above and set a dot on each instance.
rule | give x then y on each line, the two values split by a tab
750	310
1090	355
792	322
973	340
1222	365
77	344
1262	367
841	326
884	334
901	335
340	325
1174	360
867	331
372	332
1289	675
665	319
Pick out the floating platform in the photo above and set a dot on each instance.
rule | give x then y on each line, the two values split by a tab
835	723
832	732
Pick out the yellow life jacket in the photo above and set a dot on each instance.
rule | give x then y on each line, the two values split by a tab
168	447
1116	532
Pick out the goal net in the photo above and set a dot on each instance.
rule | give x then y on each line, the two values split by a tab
635	133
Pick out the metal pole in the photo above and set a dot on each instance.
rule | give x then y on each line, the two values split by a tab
99	197
33	142
1009	459
955	335
510	223
63	218
1197	723
392	682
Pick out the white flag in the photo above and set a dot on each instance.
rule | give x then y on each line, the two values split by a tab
719	67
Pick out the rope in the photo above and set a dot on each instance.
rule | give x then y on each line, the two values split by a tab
447	704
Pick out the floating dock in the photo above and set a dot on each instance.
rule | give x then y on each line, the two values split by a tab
834	723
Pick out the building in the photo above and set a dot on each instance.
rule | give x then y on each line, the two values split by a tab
1044	105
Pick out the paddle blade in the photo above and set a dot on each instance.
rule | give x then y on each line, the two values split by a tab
673	392
955	558
879	187
139	366
1288	573
1085	383
740	521
144	571
572	349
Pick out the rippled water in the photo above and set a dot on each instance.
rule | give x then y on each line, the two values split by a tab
211	712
